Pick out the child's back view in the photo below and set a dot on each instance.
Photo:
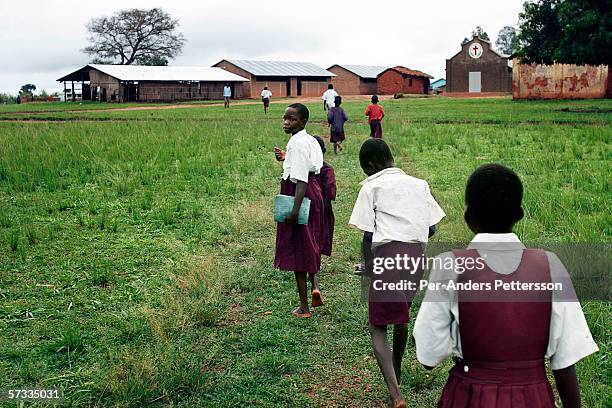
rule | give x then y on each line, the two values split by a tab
396	212
501	337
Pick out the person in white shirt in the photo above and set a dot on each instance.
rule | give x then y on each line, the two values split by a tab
397	215
500	339
329	97
227	94
298	247
265	98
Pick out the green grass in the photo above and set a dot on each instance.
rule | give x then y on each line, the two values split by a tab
136	247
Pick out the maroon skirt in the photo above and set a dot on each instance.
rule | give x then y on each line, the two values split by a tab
336	137
519	384
298	247
392	306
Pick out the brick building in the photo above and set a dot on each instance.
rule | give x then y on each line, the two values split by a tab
282	78
478	68
355	79
402	80
128	83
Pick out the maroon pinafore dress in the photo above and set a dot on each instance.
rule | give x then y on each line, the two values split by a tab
503	343
393	306
298	247
328	187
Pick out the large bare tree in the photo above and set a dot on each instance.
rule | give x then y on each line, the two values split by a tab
134	36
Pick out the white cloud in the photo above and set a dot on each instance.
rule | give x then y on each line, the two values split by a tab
41	40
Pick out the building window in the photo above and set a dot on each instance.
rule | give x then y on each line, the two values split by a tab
410	82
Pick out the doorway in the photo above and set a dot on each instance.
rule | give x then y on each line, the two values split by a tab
475	84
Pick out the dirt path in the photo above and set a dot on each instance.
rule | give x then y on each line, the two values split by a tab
193	105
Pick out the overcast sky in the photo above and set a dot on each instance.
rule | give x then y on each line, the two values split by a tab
41	40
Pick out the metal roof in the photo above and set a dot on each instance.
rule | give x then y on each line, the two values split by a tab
438	83
364	71
281	68
162	73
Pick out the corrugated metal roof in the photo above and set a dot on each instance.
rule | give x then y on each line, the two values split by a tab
281	68
162	73
438	83
411	72
364	71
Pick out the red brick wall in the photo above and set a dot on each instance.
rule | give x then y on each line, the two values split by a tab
345	82
278	89
368	88
313	88
391	82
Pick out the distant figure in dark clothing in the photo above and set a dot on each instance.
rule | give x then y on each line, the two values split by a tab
336	118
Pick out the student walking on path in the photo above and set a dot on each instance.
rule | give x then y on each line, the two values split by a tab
375	116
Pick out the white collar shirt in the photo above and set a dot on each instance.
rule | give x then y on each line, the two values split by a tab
395	207
436	329
303	156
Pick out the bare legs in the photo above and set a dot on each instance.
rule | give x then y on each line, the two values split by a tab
389	361
303	310
300	280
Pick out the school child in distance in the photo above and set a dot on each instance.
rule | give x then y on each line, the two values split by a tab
375	116
297	246
397	215
266	94
327	178
336	117
500	346
329	97
227	94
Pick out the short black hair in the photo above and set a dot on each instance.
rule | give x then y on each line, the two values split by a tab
265	87
375	151
338	100
321	143
374	98
493	196
302	110
330	86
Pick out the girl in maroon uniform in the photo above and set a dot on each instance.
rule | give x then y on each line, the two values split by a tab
327	177
500	339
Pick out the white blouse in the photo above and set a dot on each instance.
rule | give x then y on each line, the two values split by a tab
303	156
395	207
436	330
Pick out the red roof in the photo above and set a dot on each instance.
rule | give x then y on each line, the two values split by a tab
410	72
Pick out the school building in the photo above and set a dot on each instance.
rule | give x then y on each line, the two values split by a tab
478	68
283	79
355	79
402	80
137	83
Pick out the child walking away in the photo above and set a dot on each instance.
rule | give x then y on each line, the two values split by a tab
375	115
397	215
265	98
298	246
327	178
336	117
499	347
329	97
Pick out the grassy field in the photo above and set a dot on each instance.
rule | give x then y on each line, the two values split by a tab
136	247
